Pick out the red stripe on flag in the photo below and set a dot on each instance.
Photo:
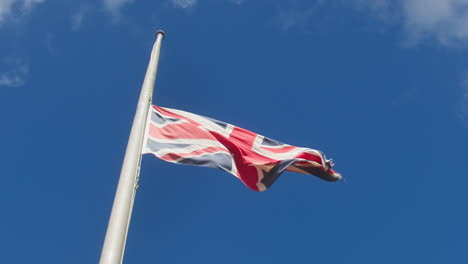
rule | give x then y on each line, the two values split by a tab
243	137
280	150
310	157
243	140
179	131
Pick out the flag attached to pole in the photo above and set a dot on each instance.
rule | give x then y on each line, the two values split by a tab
185	138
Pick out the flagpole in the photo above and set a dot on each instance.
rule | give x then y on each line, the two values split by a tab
117	229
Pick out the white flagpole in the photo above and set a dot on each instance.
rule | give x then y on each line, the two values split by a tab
116	235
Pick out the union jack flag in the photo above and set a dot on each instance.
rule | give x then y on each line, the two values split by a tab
185	138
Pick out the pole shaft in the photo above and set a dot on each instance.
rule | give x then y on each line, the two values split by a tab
117	229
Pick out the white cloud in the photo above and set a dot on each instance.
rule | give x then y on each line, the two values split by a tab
15	9
184	3
16	76
445	21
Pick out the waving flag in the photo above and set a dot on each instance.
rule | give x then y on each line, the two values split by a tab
181	137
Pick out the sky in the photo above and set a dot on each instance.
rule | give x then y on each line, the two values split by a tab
380	86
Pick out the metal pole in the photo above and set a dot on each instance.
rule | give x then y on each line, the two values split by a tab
117	230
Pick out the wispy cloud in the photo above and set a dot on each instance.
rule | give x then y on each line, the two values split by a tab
445	21
293	17
78	17
463	103
192	3
237	2
114	6
184	3
301	15
15	9
16	75
381	9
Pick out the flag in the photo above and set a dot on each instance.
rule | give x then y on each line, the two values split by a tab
185	138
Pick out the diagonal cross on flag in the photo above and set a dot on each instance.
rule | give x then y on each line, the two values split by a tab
186	138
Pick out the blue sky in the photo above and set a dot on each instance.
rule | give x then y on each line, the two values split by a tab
380	86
